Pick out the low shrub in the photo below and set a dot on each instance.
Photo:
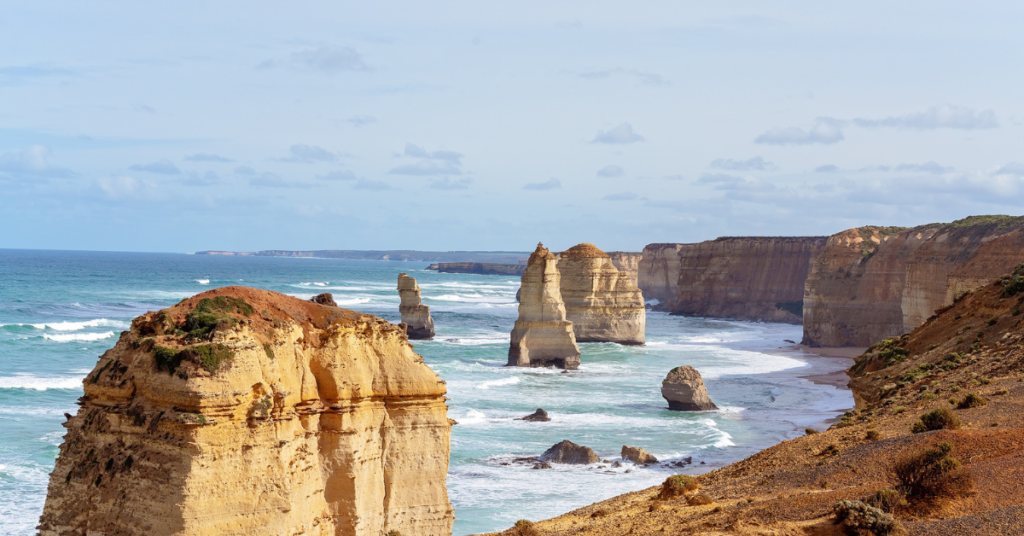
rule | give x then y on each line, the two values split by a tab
269	350
936	419
810	430
394	532
599	513
859	519
524	527
208	356
211	314
932	475
872	435
700	499
887	500
971	400
677	485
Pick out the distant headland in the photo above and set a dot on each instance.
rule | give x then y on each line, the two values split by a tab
511	257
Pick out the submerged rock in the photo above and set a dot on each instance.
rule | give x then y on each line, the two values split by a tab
415	315
542	336
537	416
603	304
542	465
569	452
237	431
684	390
637	455
324	299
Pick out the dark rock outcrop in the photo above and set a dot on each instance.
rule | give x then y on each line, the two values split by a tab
684	390
569	452
324	299
482	268
637	455
537	416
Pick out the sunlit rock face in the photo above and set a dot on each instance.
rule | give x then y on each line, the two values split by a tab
542	336
602	302
284	417
871	283
415	315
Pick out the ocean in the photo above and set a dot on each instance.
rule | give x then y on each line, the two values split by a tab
60	310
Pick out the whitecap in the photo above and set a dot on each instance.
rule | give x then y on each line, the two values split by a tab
202	281
475	341
79	337
496	383
39	383
78	326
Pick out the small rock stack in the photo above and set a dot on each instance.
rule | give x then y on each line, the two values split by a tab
684	390
542	336
415	315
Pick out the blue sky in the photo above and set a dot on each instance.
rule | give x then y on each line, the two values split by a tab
492	125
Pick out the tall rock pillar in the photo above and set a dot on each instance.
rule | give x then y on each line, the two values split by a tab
603	304
415	315
542	336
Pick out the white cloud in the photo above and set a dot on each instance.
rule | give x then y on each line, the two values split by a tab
756	163
644	78
722	181
308	154
550	184
944	116
161	167
927	167
827	168
360	120
33	161
618	135
125	187
1013	168
273	180
208	179
429	163
622	196
245	170
825	131
446	183
204	157
325	59
611	171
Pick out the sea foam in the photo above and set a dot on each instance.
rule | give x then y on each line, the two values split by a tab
78	337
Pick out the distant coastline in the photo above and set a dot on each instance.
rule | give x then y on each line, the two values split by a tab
509	257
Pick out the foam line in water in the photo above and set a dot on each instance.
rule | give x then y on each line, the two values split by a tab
39	383
78	326
78	337
496	383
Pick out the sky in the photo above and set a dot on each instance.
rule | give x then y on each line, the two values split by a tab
484	125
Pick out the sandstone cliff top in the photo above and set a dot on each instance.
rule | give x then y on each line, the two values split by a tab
585	250
541	253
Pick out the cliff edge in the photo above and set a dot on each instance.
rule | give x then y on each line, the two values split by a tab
244	411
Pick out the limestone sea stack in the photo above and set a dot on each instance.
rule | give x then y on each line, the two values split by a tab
684	390
244	411
603	304
415	315
542	336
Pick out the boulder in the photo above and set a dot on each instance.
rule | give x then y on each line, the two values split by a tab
542	336
537	416
603	304
415	315
637	455
324	299
569	452
684	390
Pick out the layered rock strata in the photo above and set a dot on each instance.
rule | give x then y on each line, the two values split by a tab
628	263
745	278
243	411
542	336
415	315
683	389
602	303
871	283
658	272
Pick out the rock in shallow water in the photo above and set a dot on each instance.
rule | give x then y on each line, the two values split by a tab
415	315
684	390
537	416
637	455
569	452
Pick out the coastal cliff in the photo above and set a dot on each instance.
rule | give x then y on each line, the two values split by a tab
628	263
933	448
243	411
742	278
602	303
542	336
871	283
658	271
482	268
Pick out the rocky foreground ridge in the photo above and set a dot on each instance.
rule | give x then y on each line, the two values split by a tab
934	447
243	411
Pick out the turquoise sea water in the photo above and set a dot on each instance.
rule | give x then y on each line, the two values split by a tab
60	310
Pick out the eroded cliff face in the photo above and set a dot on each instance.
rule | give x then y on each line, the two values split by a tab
271	415
744	278
628	263
658	271
871	283
602	303
542	336
415	315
